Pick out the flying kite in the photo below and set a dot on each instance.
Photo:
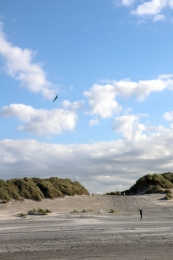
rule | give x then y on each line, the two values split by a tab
55	98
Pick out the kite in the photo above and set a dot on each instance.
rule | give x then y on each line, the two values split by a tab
55	98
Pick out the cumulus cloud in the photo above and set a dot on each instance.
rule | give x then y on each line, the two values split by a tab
94	121
20	66
97	165
143	88
123	2
41	121
168	116
153	8
158	17
72	105
127	2
130	127
102	98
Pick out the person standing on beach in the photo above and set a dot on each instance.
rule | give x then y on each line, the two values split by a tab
140	211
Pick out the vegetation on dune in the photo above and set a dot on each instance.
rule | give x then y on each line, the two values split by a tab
47	189
22	215
35	212
39	211
25	188
113	211
6	191
114	193
38	189
152	183
67	187
82	211
168	176
169	194
75	211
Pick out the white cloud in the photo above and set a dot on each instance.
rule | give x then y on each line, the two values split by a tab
72	105
20	65
170	3
146	9
153	7
128	2
40	121
94	121
123	2
156	130
102	98
101	166
159	17
143	88
168	116
130	127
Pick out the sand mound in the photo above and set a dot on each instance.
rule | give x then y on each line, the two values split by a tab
86	234
91	204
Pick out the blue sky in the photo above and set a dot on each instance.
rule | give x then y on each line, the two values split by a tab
110	62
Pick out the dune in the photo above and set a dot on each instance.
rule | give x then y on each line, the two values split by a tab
92	204
82	227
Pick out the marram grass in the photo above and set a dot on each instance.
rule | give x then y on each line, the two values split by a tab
38	189
150	183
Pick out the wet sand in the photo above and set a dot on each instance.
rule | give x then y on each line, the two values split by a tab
90	235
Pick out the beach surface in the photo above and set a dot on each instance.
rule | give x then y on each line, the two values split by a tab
82	227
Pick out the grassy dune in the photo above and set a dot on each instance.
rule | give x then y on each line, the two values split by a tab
38	189
152	183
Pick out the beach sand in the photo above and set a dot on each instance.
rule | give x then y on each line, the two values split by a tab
90	233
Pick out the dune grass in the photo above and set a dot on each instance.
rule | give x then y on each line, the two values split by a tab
75	211
38	189
82	211
39	211
114	193
112	211
22	215
35	212
151	183
168	176
169	194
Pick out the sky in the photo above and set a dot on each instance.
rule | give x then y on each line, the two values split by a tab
110	63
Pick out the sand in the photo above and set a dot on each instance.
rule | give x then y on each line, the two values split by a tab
90	233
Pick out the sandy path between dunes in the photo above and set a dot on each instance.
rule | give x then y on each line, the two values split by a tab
64	235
